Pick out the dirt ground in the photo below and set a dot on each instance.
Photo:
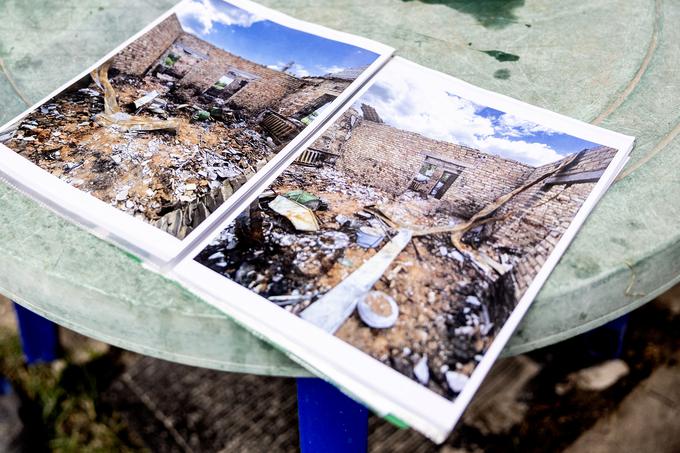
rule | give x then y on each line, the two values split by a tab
99	398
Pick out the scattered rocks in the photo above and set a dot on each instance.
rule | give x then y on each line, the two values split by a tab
421	371
333	240
122	194
456	381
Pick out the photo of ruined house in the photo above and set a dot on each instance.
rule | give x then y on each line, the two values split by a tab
413	226
171	126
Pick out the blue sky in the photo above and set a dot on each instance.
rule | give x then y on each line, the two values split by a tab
267	42
408	98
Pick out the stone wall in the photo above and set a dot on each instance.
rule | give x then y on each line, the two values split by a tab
144	52
201	65
316	92
334	137
390	158
265	92
541	215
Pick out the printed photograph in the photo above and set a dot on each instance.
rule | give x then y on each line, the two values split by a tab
414	225
176	122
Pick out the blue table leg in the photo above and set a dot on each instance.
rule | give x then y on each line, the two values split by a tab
39	339
329	420
606	342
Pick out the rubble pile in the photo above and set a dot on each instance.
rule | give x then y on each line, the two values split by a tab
445	317
170	178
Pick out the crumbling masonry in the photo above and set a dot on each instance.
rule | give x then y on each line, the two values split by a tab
197	66
465	180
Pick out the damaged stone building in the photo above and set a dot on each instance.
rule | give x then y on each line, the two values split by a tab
465	180
465	233
204	72
172	126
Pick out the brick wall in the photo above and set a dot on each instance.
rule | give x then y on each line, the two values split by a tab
390	158
315	93
486	178
335	136
541	215
144	52
265	92
201	70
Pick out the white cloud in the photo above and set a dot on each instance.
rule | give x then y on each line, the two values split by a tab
534	154
514	126
331	69
298	70
412	100
209	12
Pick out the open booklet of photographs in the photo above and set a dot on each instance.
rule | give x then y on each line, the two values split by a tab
179	120
416	229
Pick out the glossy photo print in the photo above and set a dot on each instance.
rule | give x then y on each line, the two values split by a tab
177	121
413	226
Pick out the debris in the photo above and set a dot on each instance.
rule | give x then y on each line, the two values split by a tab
456	381
333	309
473	300
122	194
342	219
216	256
304	198
464	331
368	237
289	299
126	122
302	217
378	310
71	166
165	77
147	98
113	116
595	378
201	115
333	240
421	371
89	92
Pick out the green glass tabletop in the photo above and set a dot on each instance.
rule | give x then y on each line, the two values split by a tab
607	62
